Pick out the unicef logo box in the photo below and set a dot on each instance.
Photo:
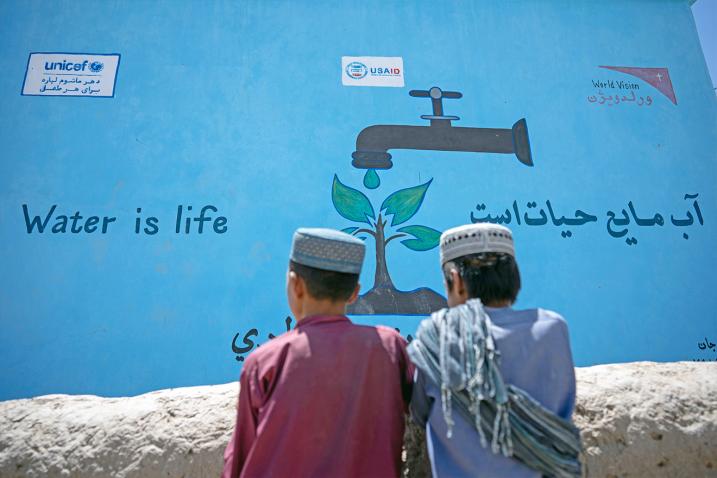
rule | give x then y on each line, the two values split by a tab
71	74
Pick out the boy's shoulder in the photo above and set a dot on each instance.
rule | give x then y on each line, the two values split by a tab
391	341
551	317
551	323
270	348
538	322
388	338
388	333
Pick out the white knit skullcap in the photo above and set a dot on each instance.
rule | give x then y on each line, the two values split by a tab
474	239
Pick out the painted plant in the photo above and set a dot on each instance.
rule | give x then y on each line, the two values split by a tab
400	207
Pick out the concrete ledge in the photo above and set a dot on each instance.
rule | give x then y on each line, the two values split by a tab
637	419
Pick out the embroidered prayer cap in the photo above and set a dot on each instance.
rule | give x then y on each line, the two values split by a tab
475	239
328	249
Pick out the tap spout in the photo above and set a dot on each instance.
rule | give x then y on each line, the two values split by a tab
374	142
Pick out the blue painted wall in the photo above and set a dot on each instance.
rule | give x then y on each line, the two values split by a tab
240	105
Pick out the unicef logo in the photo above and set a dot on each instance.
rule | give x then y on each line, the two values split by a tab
96	66
356	70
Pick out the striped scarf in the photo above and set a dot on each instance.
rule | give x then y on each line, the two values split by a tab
455	348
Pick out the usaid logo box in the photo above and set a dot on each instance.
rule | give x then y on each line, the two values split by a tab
71	74
372	71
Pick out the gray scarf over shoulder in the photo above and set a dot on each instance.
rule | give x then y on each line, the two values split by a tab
455	349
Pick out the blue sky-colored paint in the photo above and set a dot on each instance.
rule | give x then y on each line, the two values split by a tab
239	105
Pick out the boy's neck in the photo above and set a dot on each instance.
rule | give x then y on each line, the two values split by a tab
312	308
498	304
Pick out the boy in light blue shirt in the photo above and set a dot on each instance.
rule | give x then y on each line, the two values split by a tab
478	262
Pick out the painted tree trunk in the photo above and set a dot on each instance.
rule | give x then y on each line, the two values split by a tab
382	279
384	298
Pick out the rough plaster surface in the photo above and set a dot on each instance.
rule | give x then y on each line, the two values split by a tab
638	419
647	419
179	432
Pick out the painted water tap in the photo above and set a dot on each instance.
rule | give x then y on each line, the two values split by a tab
373	142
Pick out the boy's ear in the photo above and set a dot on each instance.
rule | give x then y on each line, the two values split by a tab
354	294
457	280
459	285
296	284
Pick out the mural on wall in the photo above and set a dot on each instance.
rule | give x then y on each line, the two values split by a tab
617	210
372	146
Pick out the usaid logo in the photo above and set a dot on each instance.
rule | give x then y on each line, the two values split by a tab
381	71
372	71
356	70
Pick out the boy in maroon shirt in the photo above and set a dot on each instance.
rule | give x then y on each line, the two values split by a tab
328	398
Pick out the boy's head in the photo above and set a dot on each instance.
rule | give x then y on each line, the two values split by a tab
323	273
478	261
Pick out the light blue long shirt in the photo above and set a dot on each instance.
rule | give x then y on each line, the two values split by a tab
536	357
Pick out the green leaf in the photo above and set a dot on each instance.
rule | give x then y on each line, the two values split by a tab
404	204
350	203
349	230
425	237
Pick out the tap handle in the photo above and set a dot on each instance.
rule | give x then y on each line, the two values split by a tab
419	93
436	95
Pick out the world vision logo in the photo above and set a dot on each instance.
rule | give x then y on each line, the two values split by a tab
658	78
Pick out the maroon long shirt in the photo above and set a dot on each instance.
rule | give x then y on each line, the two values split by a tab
326	399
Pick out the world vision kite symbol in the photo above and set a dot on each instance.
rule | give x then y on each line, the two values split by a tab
373	144
659	78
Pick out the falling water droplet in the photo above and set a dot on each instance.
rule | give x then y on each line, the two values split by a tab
371	179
